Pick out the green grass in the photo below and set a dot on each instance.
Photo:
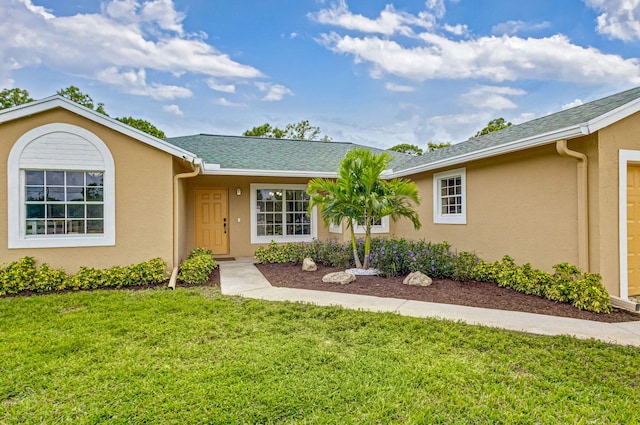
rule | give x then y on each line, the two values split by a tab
194	356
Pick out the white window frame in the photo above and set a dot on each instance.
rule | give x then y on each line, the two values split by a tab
438	217
17	237
383	227
335	228
255	239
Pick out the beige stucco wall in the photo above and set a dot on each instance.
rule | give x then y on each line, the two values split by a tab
522	204
239	208
143	199
624	134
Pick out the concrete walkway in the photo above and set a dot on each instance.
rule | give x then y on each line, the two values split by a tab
242	278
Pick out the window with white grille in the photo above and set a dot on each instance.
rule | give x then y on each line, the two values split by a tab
449	197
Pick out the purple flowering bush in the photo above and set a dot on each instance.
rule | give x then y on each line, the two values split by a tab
396	257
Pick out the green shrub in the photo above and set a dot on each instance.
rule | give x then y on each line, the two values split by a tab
152	271
90	278
567	284
22	275
390	256
18	276
50	279
464	264
329	253
484	271
197	267
582	290
274	253
433	259
523	278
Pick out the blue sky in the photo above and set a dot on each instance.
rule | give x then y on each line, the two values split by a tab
372	72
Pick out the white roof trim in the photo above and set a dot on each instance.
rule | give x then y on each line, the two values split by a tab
214	169
57	101
579	130
613	116
543	139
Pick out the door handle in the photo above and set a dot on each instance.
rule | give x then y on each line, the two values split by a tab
224	220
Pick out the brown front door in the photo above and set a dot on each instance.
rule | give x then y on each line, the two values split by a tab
633	229
212	223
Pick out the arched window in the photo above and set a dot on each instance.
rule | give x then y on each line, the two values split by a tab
61	189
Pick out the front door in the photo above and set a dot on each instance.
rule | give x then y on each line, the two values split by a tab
212	224
633	229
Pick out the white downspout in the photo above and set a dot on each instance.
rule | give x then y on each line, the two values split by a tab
176	221
583	202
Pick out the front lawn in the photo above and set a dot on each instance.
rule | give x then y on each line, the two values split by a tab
194	356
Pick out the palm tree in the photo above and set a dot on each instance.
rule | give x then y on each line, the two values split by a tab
360	195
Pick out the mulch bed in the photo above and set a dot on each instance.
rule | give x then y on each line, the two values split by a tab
473	294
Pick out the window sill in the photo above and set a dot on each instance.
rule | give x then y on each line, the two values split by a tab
450	220
66	241
281	239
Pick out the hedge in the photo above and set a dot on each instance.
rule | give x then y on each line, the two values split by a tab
23	275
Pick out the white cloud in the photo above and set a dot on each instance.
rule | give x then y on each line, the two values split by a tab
274	91
39	10
456	127
491	97
226	88
173	109
225	102
399	87
126	35
390	21
160	13
514	27
135	82
492	58
573	104
457	29
618	18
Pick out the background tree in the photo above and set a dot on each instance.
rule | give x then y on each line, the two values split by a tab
494	125
300	131
74	94
407	148
13	97
143	125
359	195
431	146
415	150
266	131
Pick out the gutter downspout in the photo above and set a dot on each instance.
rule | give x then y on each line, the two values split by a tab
176	221
583	202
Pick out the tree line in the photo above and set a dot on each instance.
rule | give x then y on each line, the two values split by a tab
17	96
302	130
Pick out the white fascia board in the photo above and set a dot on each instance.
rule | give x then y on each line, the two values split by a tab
53	102
214	169
611	117
543	139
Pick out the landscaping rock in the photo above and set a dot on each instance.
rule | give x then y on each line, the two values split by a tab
338	277
308	265
363	272
417	279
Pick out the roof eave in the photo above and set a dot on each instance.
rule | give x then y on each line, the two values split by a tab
518	145
215	169
49	103
613	116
